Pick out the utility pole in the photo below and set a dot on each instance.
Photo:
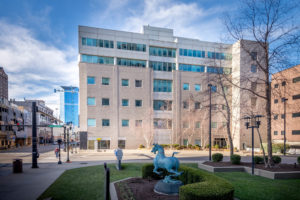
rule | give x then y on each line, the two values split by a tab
34	137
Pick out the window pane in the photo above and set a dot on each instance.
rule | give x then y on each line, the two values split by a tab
105	122
91	122
125	102
186	86
91	101
90	80
197	87
125	82
138	103
105	81
105	101
125	122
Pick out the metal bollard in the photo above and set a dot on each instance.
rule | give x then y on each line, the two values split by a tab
107	182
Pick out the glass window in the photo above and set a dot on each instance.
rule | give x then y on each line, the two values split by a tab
97	59
213	88
275	101
253	101
162	105
282	132
254	55
138	83
125	82
297	79
198	143
105	102
91	101
283	83
275	117
91	122
197	124
253	68
165	52
197	105
138	103
213	124
105	81
186	86
185	105
105	122
125	122
197	87
162	85
296	114
131	62
162	123
191	68
125	102
296	97
138	123
185	142
295	132
275	132
121	144
90	80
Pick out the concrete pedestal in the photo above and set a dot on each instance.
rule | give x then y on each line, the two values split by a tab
167	188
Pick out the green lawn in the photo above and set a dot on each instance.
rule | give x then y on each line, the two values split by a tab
88	183
248	187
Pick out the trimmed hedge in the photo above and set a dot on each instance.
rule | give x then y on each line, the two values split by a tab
235	159
217	157
258	160
276	159
298	160
197	184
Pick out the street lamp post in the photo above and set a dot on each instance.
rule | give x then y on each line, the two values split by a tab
59	142
209	131
252	122
284	121
68	146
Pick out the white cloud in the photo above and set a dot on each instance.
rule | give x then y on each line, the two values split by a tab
34	68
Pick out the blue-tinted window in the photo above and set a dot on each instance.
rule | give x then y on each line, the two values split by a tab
138	103
215	70
165	52
105	102
192	53
214	88
105	122
162	66
125	82
131	46
197	87
253	68
186	86
105	81
90	80
191	68
160	85
91	101
91	122
97	59
125	102
97	42
162	105
131	62
125	122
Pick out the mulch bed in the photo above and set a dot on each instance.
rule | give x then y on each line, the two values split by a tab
276	168
140	189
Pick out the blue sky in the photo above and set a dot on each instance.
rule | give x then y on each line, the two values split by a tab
39	44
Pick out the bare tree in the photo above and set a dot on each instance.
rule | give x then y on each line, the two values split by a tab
271	24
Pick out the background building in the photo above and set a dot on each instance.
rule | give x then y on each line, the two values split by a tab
3	84
69	104
140	88
286	85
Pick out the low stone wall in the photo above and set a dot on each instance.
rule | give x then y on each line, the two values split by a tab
258	172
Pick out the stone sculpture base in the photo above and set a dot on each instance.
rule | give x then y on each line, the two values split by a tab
167	188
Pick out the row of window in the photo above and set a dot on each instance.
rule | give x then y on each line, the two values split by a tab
219	56
192	53
106	122
106	81
97	59
131	62
164	52
162	66
162	105
186	124
294	132
294	115
131	46
97	42
186	86
91	101
295	97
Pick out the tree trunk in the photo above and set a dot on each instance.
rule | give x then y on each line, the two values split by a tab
264	153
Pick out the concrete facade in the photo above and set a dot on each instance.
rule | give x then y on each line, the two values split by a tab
3	84
286	84
185	121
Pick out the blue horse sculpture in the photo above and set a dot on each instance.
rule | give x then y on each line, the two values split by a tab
171	164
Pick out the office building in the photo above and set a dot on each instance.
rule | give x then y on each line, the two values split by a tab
286	85
3	84
140	88
69	104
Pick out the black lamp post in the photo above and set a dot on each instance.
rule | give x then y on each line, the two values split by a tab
252	122
68	146
209	131
284	136
59	142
